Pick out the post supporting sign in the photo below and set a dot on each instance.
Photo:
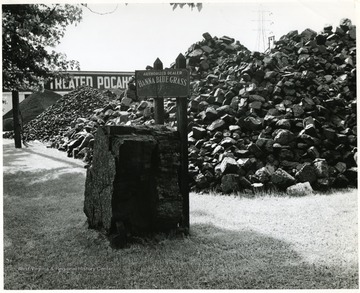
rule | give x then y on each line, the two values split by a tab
182	124
159	111
170	83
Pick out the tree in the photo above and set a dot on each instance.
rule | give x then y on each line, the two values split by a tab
29	31
191	5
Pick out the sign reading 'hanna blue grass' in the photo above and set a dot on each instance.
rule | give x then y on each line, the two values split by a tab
162	83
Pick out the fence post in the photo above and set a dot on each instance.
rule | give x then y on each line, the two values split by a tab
16	120
158	102
182	124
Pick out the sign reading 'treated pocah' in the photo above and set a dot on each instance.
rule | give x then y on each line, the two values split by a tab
96	79
162	83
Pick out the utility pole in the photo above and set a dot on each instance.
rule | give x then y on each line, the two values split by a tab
16	120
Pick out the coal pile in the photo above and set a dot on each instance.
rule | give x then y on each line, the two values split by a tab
70	124
64	114
31	107
284	119
262	121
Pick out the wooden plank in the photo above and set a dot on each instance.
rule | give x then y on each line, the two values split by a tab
16	120
159	111
182	124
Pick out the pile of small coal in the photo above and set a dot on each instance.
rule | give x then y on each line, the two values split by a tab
70	124
31	107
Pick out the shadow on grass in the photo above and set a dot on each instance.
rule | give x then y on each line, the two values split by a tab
48	246
10	157
210	258
75	164
31	197
29	184
10	153
40	209
35	178
249	260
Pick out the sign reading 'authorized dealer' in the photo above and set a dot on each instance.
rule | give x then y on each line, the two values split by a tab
162	83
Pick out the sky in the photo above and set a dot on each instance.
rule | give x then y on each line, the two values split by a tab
130	37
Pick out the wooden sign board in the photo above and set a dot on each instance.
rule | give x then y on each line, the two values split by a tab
95	79
162	83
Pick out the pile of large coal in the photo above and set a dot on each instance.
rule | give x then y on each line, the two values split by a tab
274	119
31	107
282	119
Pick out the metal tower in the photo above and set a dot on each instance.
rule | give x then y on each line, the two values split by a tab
263	32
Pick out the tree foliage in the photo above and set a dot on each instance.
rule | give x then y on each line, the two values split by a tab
29	32
191	5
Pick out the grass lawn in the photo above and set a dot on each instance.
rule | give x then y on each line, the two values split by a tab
235	242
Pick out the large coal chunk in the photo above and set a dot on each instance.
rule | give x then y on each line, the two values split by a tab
132	186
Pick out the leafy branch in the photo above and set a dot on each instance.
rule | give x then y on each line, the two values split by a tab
191	5
28	33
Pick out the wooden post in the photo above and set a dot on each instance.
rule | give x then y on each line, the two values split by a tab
182	123
16	120
159	102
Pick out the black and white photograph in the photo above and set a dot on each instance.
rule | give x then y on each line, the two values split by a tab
174	145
